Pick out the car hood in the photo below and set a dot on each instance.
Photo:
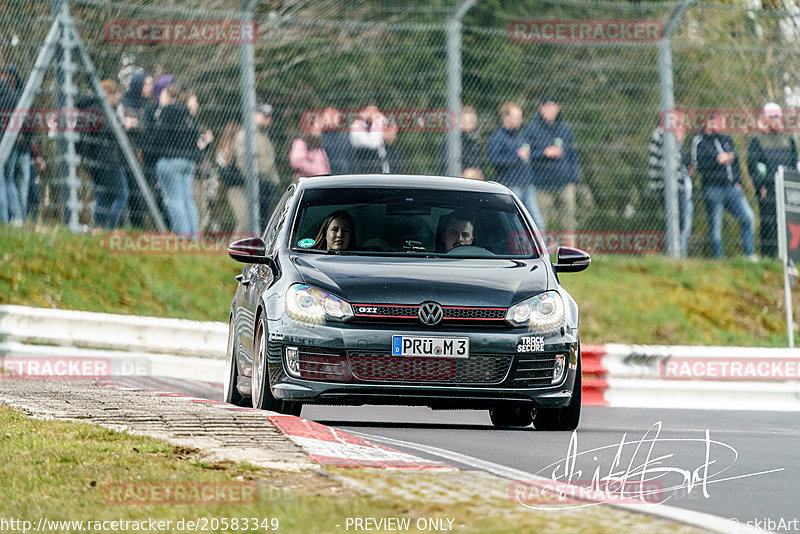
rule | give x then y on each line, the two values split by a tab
448	281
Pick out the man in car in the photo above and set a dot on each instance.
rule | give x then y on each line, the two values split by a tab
459	230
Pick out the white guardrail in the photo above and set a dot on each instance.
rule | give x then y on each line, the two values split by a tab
649	376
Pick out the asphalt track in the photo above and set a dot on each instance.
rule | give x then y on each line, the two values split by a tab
749	461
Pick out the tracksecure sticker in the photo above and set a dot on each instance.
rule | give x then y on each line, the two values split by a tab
531	344
305	243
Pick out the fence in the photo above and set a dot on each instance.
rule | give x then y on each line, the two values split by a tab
607	63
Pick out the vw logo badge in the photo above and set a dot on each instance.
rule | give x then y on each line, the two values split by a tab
430	313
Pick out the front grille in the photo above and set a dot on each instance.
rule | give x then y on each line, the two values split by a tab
453	315
534	370
383	367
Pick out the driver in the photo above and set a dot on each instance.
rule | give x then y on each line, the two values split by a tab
459	230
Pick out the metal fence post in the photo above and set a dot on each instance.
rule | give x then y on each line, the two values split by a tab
248	73
671	172
454	86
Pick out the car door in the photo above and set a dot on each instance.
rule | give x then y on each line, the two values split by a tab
255	279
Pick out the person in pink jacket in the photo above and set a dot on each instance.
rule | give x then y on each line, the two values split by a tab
307	157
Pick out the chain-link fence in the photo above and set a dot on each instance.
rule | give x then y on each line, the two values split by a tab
220	113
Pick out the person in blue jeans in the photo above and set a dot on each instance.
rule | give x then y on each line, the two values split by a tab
718	164
180	147
103	161
509	153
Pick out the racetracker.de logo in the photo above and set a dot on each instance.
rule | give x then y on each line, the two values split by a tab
632	242
157	243
617	491
730	121
46	368
180	493
401	120
725	369
585	31
51	120
180	32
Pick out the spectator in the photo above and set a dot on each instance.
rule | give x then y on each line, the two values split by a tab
768	150
307	157
150	151
336	142
231	176
180	146
17	166
268	178
685	172
510	153
395	163
38	165
132	109
366	138
6	102
103	161
718	164
554	163
471	157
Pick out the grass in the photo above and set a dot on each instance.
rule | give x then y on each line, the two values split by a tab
646	299
62	471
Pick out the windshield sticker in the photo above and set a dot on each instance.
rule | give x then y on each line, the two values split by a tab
305	243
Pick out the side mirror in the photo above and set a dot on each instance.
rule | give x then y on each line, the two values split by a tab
571	260
249	250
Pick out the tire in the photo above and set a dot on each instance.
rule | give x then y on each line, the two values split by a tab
231	391
511	416
262	394
566	418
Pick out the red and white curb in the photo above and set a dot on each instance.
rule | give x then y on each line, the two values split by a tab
691	377
323	444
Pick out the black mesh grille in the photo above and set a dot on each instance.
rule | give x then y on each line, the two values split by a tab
477	369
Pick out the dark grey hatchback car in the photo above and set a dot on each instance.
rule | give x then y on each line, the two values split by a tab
411	290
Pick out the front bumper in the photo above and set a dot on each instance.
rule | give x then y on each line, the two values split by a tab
352	364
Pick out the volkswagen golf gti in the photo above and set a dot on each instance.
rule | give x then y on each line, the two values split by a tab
405	290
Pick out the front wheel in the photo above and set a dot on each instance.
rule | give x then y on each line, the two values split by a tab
231	389
262	394
566	418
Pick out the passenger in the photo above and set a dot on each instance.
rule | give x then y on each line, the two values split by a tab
458	230
337	232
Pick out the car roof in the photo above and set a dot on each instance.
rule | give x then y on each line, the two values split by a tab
411	181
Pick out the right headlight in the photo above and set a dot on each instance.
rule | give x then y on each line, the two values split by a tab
542	313
312	305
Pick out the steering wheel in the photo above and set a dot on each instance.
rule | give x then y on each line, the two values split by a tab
472	250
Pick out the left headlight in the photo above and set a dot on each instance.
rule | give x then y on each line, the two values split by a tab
543	313
311	305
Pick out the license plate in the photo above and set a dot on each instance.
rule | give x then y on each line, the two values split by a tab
434	347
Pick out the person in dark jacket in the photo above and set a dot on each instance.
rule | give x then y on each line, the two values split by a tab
17	167
103	161
471	156
509	153
768	150
718	164
150	152
336	143
554	162
132	110
7	102
180	147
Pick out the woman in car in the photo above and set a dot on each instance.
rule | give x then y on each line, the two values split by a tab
337	232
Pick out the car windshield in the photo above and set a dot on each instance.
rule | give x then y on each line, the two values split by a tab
406	221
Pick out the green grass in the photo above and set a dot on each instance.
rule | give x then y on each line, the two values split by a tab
66	471
645	299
